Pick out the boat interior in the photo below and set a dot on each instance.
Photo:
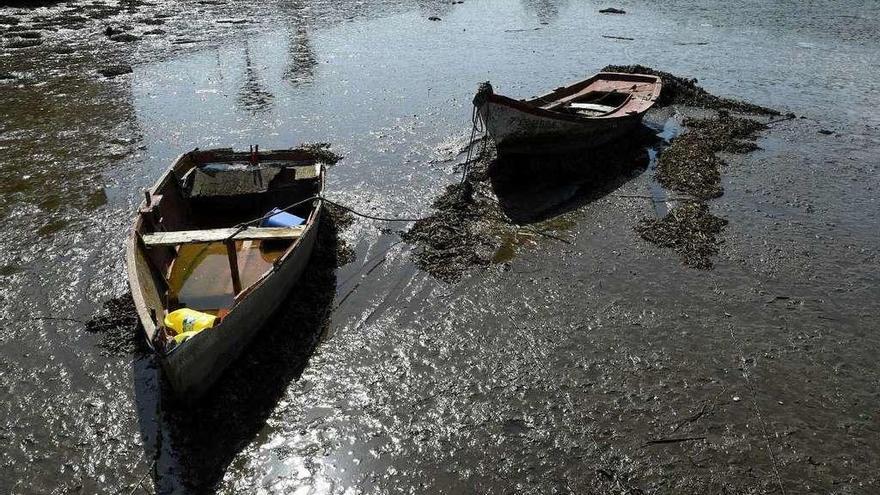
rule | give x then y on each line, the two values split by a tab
595	103
602	95
209	231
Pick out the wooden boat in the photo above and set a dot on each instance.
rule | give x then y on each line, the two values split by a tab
197	243
585	114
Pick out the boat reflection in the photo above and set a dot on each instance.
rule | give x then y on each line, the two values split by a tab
534	188
253	96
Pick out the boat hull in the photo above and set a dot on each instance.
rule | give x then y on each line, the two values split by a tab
193	368
517	131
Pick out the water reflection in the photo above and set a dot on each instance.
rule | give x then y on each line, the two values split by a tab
433	8
253	96
301	59
545	10
54	158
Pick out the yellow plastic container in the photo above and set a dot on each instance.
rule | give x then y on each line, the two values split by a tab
185	323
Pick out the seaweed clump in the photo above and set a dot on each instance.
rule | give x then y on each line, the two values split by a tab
117	323
690	230
339	220
691	164
322	152
455	238
683	91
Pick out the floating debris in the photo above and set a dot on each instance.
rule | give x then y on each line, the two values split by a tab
612	10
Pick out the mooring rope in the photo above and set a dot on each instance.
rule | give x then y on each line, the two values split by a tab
371	217
476	128
244	225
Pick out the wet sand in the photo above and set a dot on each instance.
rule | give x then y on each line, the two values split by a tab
598	365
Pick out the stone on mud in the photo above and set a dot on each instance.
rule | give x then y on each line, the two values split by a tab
24	43
124	38
115	70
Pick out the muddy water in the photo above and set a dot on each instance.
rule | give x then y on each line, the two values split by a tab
201	278
551	370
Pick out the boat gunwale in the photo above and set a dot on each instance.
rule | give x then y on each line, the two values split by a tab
528	106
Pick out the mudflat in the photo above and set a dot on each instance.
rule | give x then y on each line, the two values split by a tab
616	331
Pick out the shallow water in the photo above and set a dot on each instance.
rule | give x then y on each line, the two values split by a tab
552	368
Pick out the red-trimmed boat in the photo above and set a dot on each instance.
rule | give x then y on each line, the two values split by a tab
583	115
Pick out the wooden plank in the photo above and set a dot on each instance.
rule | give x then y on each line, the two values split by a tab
588	89
221	235
233	266
591	106
154	272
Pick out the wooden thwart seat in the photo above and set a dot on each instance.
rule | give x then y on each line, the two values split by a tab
221	235
592	106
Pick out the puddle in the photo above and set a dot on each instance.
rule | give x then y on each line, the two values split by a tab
200	276
660	195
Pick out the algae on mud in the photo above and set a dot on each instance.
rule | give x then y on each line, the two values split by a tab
473	224
117	324
688	229
455	238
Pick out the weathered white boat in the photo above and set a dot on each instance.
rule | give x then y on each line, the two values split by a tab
585	114
197	242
